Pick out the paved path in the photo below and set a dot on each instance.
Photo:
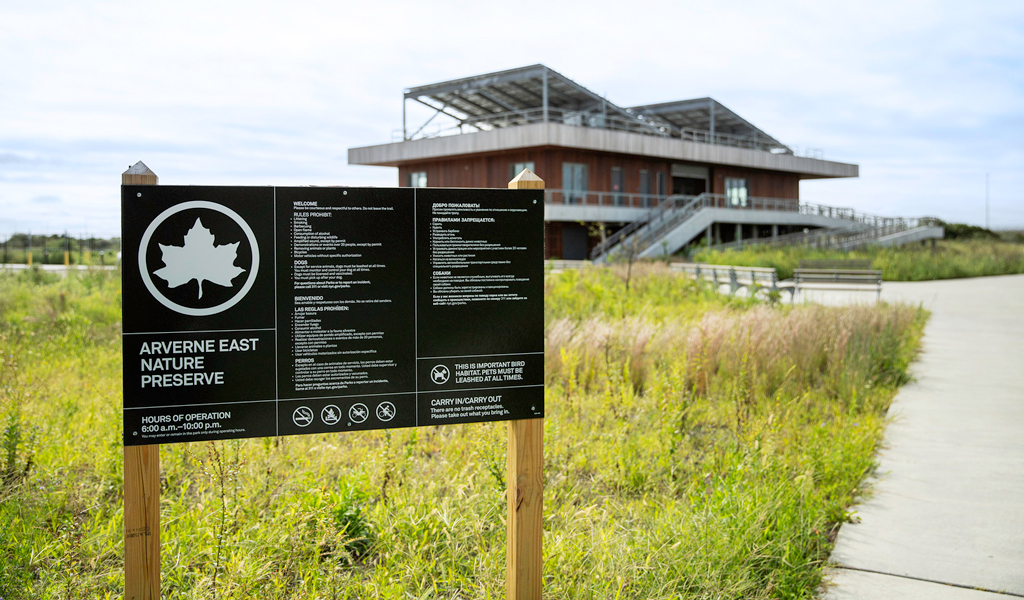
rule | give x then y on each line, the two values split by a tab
946	519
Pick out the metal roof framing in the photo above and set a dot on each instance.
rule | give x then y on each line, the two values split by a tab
518	97
538	94
705	114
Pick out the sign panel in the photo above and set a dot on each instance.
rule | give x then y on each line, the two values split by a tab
262	311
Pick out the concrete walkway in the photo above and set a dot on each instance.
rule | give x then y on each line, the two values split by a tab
946	516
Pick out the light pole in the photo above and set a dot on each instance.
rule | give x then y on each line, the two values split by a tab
986	202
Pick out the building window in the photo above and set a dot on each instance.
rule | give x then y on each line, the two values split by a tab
645	188
618	186
574	182
418	179
736	191
661	185
517	168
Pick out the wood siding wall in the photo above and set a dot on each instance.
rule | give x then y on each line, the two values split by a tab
494	170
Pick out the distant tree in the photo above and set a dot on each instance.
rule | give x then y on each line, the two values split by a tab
962	231
628	251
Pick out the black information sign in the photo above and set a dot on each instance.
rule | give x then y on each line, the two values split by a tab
260	311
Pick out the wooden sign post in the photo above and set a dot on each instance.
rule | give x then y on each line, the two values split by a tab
141	487
525	491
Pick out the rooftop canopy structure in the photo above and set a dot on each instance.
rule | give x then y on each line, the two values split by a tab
538	94
708	120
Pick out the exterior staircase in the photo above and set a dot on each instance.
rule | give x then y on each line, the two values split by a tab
678	220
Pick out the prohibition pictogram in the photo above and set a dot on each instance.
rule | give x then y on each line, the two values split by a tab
330	414
440	374
385	411
358	413
302	416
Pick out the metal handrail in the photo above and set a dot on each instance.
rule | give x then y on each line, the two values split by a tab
703	136
615	122
607	199
668	220
672	203
836	238
849	214
676	209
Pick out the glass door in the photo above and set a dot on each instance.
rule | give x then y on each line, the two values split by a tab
574	182
645	187
618	186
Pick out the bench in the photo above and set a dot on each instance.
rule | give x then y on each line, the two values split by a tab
853	275
751	278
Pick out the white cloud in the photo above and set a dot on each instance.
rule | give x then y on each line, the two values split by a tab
924	95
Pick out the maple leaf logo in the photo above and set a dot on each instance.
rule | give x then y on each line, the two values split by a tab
199	259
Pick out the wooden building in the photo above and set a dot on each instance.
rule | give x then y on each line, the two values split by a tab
604	166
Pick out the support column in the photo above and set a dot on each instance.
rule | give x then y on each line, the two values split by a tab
711	111
718	233
544	95
775	231
710	239
739	232
757	234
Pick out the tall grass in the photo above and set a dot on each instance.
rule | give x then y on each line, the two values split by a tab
695	446
949	260
654	292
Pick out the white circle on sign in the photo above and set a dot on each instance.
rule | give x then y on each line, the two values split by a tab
440	374
331	414
358	413
188	310
302	416
385	411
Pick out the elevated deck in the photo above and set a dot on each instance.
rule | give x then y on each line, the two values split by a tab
600	140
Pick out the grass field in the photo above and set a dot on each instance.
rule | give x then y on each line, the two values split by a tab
696	446
951	259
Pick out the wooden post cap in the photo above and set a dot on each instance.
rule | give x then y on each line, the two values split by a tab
139	174
526	180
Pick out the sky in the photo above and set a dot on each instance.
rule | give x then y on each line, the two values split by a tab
926	96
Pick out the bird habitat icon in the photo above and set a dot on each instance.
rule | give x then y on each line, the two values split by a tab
192	255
